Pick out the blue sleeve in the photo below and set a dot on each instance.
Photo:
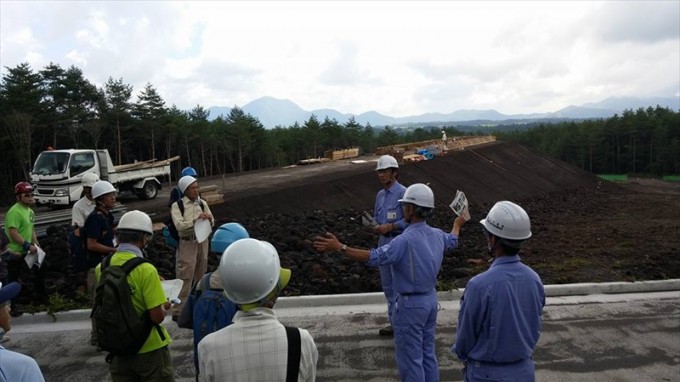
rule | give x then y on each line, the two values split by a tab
390	253
470	320
450	242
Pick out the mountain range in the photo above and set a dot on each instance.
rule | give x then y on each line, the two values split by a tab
272	112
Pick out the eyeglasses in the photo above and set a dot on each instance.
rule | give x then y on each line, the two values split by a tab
28	195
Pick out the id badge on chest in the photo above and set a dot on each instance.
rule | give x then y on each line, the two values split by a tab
391	215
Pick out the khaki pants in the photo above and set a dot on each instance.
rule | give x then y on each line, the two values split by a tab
152	366
192	263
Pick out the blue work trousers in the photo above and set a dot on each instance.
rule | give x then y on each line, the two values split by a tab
386	282
415	322
522	371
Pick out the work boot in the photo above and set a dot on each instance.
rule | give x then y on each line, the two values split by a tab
386	331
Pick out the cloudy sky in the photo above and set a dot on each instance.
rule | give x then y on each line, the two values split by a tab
395	57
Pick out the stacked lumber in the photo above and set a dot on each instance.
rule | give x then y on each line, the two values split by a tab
211	195
343	154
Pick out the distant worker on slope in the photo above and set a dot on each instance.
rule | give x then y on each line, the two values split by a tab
499	321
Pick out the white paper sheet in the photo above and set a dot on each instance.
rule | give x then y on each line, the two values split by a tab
35	258
172	288
459	205
202	229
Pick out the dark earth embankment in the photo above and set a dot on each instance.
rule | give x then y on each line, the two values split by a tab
585	229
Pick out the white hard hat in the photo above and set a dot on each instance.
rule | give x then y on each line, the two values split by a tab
508	221
102	187
385	162
89	179
136	221
185	182
249	270
420	195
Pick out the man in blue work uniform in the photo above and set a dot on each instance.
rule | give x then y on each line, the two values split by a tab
500	312
387	213
416	257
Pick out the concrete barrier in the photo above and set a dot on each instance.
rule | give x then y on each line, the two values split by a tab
580	289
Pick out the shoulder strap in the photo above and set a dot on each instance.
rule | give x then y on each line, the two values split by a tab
206	281
105	262
180	205
131	264
294	350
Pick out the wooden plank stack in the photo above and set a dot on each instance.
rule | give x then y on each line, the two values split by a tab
211	195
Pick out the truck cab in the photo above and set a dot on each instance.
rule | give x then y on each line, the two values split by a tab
57	175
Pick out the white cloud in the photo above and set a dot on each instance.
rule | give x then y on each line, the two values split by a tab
397	58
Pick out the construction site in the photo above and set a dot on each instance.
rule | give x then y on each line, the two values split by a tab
585	229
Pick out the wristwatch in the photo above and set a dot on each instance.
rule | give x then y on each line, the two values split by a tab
343	248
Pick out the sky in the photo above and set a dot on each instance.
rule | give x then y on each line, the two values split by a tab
398	58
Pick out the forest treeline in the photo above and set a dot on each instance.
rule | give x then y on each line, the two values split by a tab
60	108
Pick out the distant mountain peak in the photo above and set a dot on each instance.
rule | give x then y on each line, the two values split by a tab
272	112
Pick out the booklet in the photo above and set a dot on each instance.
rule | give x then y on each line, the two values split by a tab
459	205
367	220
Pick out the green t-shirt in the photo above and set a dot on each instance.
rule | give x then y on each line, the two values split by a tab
147	293
20	217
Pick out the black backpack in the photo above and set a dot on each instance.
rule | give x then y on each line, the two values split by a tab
120	330
171	224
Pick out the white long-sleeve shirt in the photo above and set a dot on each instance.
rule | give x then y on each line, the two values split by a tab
254	348
81	209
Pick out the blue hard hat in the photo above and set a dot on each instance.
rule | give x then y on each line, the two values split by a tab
225	235
189	171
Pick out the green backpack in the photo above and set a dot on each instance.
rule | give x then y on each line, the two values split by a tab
120	330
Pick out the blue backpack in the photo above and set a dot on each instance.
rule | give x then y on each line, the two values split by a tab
207	311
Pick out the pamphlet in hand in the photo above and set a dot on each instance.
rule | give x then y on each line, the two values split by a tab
367	220
459	205
172	288
35	258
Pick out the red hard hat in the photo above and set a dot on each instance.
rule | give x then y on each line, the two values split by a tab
23	188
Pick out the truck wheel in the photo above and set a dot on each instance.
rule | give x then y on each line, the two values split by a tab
149	191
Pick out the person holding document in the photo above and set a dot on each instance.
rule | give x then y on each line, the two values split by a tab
20	229
192	253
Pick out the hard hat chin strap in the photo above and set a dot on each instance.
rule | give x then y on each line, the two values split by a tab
266	302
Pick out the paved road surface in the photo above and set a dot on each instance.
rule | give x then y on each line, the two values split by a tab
598	337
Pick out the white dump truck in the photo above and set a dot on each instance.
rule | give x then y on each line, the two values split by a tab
57	175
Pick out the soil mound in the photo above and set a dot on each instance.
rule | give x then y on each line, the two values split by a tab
497	171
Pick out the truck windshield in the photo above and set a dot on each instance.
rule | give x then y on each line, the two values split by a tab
49	163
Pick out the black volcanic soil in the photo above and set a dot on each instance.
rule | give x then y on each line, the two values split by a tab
585	229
